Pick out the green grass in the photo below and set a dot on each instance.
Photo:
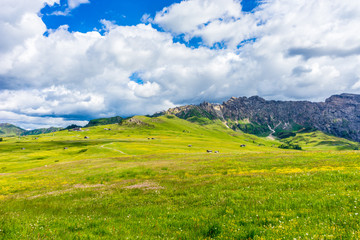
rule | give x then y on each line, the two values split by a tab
320	141
118	184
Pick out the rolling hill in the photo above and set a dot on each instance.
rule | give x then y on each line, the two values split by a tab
7	130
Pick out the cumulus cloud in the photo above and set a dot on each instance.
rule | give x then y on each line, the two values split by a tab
304	49
145	90
54	101
71	4
188	16
75	3
213	21
19	21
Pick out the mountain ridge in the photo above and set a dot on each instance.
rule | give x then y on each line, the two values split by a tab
338	115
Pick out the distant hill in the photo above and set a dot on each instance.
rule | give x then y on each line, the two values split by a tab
41	131
7	130
339	115
10	130
104	121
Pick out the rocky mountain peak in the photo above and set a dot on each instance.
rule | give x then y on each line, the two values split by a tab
344	98
257	98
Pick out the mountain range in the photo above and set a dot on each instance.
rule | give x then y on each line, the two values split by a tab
339	116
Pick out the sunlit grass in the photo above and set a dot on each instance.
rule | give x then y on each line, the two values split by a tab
321	141
120	184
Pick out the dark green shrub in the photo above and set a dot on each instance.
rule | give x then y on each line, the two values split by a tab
285	134
290	146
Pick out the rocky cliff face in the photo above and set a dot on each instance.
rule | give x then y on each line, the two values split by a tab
339	115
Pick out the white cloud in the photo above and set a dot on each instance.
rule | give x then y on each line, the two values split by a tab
145	90
301	50
72	4
19	21
212	20
75	3
188	16
146	18
356	86
57	101
29	122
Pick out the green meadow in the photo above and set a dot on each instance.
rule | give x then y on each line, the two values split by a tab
152	178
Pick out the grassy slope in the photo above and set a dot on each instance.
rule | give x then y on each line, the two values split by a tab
321	141
118	184
7	130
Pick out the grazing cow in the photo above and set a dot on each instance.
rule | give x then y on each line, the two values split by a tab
216	152
242	145
189	145
209	151
86	137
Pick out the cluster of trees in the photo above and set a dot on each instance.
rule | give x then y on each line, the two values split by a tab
290	146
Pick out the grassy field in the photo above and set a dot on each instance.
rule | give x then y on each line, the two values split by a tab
141	180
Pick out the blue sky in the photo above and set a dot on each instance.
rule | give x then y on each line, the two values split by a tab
69	61
86	17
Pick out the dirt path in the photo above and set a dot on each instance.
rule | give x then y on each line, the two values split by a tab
103	146
272	132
